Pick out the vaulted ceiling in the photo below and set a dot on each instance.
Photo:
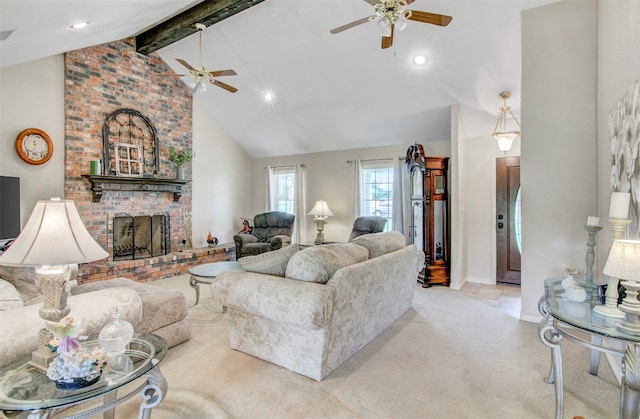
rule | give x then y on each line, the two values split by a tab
331	91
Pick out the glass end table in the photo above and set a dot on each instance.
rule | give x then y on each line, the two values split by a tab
564	318
24	388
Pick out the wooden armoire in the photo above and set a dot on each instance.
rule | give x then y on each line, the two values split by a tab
429	227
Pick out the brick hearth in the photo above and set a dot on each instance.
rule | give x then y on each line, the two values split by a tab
150	269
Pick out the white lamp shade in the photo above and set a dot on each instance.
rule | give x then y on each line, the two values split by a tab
54	235
624	260
321	209
505	139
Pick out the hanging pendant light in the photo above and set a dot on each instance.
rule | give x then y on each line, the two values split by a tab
500	133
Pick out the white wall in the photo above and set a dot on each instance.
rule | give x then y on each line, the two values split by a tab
33	97
329	177
558	158
220	180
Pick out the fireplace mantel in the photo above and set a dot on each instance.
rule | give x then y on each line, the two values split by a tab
100	183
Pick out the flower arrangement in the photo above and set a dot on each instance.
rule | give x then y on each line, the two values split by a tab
569	270
74	366
181	157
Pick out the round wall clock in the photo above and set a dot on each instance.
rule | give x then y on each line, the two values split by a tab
34	146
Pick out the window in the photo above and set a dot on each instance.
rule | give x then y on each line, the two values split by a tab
283	181
376	189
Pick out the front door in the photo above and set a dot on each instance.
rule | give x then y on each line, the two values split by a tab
508	240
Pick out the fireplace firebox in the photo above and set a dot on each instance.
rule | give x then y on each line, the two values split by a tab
140	236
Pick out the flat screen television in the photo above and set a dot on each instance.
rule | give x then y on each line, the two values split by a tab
9	208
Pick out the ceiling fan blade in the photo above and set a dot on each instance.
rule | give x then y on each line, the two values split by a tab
225	86
409	1
352	24
186	64
170	74
374	2
387	41
433	18
219	73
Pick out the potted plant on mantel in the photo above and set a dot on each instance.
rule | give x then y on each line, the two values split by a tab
180	158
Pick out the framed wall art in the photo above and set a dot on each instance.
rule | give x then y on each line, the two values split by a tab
624	137
128	160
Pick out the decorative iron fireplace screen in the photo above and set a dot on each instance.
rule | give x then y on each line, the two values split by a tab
141	236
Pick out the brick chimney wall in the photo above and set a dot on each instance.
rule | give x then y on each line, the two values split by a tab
98	81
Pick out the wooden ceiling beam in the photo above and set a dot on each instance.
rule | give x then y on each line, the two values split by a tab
180	26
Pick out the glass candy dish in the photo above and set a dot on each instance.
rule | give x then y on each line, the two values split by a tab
116	335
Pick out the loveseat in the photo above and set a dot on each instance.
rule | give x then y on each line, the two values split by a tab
149	309
310	310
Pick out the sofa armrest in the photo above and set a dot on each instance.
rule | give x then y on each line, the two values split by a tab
245	239
280	241
279	299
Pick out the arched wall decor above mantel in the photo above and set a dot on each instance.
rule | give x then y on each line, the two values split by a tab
129	126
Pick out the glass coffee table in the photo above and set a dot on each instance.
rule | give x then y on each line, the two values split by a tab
25	391
210	270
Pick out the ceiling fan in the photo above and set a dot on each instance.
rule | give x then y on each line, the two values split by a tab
201	75
394	13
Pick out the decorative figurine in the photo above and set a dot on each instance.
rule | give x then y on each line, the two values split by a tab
213	241
246	228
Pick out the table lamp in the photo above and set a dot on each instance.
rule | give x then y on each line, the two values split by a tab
53	238
624	263
321	214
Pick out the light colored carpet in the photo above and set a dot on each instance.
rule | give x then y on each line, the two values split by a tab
448	357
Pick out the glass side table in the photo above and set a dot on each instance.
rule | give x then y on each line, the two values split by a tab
210	270
24	388
566	318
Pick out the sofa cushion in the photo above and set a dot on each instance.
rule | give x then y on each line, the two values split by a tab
318	263
270	263
23	279
19	327
160	306
381	243
9	297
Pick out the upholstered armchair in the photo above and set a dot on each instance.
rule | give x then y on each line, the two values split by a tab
271	231
367	225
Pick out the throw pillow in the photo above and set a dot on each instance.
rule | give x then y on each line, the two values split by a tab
9	297
381	243
319	263
270	263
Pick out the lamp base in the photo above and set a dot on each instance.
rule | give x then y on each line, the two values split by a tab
320	222
53	282
631	308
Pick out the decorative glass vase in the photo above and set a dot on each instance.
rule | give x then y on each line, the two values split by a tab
115	336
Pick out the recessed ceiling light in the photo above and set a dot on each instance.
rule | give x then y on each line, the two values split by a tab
419	59
268	96
79	25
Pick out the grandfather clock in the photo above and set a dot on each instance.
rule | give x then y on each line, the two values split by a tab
429	229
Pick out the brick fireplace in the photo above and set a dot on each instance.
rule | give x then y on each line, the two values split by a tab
98	81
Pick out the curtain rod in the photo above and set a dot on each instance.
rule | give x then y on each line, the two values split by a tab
399	158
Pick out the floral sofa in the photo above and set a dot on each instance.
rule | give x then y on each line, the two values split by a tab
310	310
149	309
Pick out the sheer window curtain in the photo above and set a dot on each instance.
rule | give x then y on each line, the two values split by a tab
401	201
357	166
299	195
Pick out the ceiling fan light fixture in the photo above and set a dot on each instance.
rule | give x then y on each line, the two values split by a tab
503	136
401	23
